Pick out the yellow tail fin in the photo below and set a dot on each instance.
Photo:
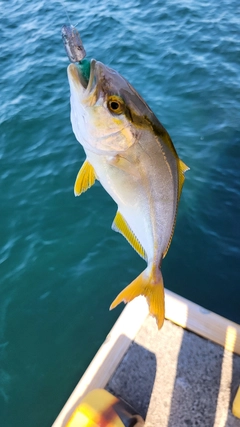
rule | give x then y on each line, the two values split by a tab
149	285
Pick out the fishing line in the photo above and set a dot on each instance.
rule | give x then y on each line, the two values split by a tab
67	14
65	10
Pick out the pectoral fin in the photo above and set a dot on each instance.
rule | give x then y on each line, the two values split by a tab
118	161
85	178
120	225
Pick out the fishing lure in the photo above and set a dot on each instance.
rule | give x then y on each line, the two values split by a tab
73	43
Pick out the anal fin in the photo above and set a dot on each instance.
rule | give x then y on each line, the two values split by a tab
120	225
85	178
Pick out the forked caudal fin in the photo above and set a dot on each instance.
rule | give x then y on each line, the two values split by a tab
149	285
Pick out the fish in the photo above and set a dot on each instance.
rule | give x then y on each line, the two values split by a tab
132	155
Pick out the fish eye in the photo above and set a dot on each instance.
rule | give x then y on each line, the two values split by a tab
115	104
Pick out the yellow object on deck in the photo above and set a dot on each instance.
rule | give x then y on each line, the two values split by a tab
236	404
99	408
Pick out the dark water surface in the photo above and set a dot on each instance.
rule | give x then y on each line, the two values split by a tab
60	264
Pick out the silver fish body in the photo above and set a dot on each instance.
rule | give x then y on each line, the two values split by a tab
139	191
133	157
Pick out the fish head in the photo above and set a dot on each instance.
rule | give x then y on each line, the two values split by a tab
107	114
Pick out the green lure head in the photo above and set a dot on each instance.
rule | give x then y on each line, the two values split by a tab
84	67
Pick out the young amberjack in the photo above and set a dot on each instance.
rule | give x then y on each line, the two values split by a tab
132	155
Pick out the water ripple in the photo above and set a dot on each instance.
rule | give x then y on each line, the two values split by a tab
61	264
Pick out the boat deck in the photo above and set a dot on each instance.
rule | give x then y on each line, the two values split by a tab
173	377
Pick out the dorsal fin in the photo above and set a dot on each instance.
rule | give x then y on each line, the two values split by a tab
120	225
182	168
85	178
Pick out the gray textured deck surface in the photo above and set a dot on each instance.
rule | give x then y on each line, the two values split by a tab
174	378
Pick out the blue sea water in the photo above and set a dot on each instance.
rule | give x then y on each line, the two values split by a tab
61	265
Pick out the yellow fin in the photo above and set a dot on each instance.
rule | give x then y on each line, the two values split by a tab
151	286
182	168
120	225
85	178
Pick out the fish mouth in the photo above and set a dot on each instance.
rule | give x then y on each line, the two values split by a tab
82	75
